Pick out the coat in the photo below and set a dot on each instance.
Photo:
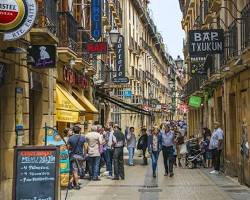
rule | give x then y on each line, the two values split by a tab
150	143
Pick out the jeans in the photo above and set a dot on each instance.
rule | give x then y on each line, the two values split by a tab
216	158
131	151
118	163
154	158
108	156
168	155
94	163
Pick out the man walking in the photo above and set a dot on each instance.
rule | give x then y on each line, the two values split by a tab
75	145
168	137
131	144
118	154
94	140
143	144
216	145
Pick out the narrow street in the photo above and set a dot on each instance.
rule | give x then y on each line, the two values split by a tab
187	184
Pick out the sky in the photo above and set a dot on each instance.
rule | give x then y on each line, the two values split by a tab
167	17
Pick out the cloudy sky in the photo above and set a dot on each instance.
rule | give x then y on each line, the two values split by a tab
167	16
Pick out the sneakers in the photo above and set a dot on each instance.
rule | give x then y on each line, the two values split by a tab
171	174
214	172
154	174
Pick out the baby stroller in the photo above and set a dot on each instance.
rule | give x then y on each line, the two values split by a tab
194	157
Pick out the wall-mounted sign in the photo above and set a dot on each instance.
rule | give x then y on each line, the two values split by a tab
195	101
44	56
96	19
36	172
19	109
16	17
120	62
203	42
127	93
164	107
2	73
74	78
97	47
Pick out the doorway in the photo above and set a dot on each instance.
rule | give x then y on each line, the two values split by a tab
233	134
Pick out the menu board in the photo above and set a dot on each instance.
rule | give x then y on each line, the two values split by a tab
36	173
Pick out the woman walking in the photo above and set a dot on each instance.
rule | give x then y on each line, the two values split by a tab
154	147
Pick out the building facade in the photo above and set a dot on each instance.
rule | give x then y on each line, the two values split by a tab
225	88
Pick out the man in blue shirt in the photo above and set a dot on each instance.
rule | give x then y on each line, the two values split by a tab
75	144
168	137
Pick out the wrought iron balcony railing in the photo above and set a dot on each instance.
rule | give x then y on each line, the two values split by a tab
245	27
233	39
47	15
68	31
194	85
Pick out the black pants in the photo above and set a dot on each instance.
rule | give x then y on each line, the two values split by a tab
144	158
168	158
216	159
118	163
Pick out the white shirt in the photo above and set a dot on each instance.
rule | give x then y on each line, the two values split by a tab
216	136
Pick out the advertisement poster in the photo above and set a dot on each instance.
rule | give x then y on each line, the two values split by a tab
19	109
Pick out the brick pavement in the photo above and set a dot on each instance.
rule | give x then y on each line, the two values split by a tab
187	184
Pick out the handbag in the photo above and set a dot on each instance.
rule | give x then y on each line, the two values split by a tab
73	153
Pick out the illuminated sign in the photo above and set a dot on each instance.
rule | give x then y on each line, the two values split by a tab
203	42
96	19
97	47
16	17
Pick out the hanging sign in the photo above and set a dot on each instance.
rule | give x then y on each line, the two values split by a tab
97	47
36	171
197	65
120	62
96	19
44	56
203	42
195	101
16	17
127	93
19	108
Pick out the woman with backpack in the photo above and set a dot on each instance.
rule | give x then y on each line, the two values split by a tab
143	144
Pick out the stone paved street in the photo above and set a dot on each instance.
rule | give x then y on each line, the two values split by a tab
187	184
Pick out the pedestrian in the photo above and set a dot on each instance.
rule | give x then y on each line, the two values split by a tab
154	147
178	142
76	156
168	138
118	154
207	156
94	140
108	153
143	144
131	144
67	132
216	145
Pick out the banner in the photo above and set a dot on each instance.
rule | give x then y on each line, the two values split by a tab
96	19
120	62
194	101
97	47
203	42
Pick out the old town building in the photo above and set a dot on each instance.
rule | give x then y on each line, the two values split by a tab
224	90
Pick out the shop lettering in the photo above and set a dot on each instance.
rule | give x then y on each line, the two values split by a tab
203	42
75	79
120	57
8	7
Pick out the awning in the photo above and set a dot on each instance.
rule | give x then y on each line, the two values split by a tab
67	107
122	104
90	108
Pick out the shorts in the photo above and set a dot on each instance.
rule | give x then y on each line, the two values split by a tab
209	155
76	163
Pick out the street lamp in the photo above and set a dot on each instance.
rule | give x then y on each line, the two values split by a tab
114	36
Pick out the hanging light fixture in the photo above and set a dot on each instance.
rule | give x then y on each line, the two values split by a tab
114	36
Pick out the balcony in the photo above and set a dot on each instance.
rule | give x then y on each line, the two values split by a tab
245	27
105	13
115	7
68	36
45	27
233	39
194	85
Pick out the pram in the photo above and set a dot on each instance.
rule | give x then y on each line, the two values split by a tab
194	157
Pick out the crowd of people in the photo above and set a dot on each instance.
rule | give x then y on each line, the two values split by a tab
104	147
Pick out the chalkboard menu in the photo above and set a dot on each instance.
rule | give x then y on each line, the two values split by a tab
36	173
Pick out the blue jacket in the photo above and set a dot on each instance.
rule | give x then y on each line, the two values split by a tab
150	143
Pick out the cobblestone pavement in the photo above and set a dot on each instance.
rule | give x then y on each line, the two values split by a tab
187	184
